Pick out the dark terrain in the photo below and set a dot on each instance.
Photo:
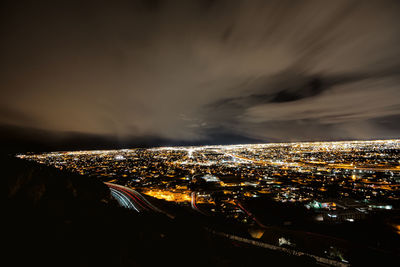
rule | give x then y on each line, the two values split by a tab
55	218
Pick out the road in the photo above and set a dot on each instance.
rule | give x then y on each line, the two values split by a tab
123	199
249	214
194	205
131	199
322	260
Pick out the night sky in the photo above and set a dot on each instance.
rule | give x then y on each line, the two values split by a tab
199	71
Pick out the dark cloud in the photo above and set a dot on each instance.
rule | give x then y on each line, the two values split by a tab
314	87
196	71
8	115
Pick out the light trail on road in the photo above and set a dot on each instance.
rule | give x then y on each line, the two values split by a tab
249	214
193	203
122	199
322	260
129	196
132	199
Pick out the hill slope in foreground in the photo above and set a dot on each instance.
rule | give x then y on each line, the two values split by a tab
57	218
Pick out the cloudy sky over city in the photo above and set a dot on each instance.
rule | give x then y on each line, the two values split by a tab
193	71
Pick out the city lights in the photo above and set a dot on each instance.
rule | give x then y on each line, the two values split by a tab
341	181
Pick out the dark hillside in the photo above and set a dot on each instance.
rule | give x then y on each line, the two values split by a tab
55	218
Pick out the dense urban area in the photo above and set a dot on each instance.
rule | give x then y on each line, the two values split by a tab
285	188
